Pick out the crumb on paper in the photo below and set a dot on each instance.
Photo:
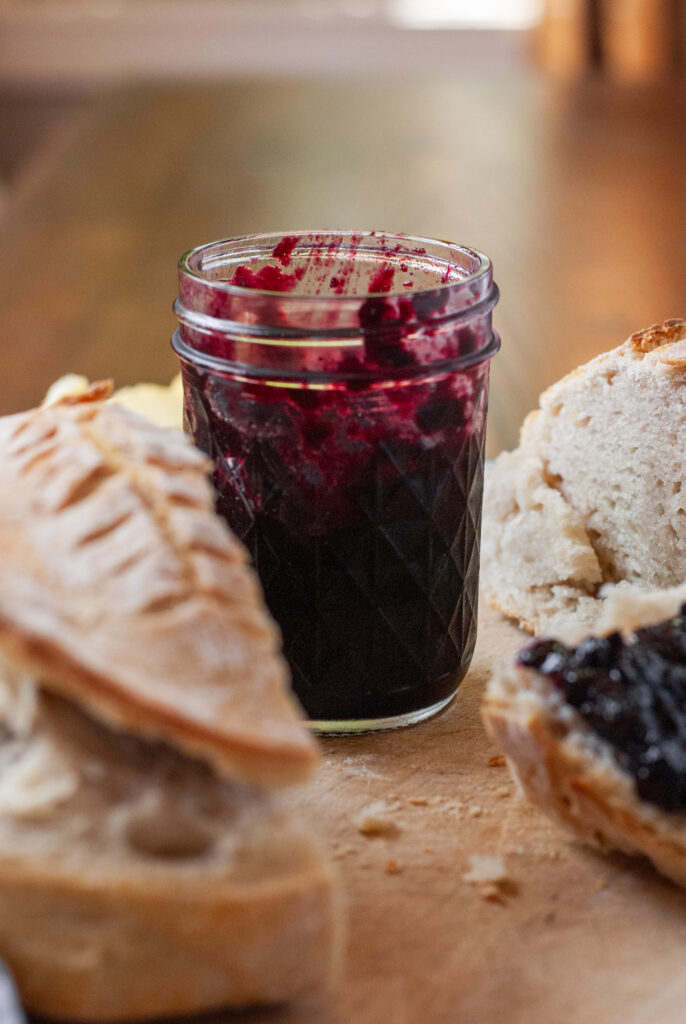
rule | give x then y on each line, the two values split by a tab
343	851
375	820
497	761
488	874
418	801
392	867
491	892
487	868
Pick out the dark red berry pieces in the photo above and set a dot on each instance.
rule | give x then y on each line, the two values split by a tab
632	694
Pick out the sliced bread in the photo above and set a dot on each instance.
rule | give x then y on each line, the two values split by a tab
146	868
579	777
134	882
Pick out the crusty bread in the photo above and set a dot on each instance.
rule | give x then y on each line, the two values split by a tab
106	519
593	495
143	699
568	771
134	882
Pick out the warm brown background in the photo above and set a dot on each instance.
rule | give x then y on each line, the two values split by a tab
575	190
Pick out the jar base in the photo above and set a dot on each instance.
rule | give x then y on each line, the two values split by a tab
351	727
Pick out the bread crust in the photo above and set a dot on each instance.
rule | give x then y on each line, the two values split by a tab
105	518
572	775
112	953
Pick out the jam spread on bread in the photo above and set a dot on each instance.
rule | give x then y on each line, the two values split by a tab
632	693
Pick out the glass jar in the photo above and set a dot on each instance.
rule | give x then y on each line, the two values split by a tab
339	382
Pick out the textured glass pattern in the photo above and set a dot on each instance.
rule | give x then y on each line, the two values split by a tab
371	571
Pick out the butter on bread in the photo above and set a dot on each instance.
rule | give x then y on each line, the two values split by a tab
121	589
593	495
570	772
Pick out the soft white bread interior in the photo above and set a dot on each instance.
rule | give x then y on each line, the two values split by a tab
593	495
134	882
121	589
570	772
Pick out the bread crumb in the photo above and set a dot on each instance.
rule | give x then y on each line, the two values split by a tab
497	761
502	791
485	867
418	801
343	851
392	867
428	849
374	820
491	893
476	811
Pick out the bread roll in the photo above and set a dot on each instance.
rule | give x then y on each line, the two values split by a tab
121	588
146	867
593	495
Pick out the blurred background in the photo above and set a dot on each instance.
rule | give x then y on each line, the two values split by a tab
551	134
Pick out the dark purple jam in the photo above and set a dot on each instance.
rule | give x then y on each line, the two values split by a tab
356	485
632	694
365	538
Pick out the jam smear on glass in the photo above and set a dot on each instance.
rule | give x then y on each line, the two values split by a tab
349	459
632	693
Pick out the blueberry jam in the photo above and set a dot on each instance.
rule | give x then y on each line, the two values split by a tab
351	465
632	694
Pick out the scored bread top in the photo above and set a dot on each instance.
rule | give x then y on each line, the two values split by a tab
121	589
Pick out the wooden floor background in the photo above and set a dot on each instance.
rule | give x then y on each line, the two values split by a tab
575	190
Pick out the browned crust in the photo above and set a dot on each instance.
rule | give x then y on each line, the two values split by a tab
237	753
166	634
97	391
591	799
122	952
657	334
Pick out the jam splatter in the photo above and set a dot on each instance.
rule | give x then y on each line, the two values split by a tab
267	278
284	250
382	280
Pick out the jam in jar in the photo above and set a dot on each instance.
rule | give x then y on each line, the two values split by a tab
339	382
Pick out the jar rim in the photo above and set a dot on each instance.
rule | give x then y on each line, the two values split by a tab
189	260
354	317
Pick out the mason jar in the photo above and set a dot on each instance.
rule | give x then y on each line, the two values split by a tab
339	383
